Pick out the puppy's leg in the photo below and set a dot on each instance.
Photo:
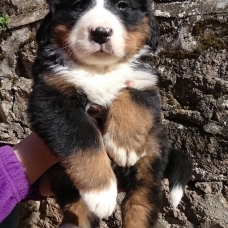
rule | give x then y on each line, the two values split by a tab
77	215
58	114
141	205
129	121
94	178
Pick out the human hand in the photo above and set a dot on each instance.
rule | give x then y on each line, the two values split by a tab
34	156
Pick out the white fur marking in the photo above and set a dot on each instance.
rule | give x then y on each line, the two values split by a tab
102	203
121	156
176	195
103	88
100	3
68	225
143	154
132	158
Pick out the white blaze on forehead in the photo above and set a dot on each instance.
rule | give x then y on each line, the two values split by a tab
100	3
98	16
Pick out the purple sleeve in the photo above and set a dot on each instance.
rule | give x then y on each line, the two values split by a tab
14	185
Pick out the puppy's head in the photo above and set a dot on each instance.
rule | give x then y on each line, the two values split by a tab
99	32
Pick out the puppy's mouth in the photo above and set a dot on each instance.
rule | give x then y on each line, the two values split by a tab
102	49
91	52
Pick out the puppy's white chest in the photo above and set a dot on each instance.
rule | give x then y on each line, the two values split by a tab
103	88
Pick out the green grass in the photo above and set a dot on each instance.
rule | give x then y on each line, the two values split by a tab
3	22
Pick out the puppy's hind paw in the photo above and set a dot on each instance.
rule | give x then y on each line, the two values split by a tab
101	202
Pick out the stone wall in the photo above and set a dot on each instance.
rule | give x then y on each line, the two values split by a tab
193	69
192	65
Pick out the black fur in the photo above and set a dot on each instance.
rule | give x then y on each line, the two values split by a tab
43	32
178	170
62	186
60	119
154	40
149	99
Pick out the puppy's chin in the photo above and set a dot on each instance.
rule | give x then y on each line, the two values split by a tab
98	59
99	55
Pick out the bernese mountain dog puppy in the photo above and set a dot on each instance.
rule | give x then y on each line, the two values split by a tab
89	58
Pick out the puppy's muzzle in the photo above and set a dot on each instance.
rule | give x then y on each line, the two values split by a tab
100	35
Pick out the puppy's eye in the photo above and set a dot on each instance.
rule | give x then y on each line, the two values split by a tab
77	5
122	5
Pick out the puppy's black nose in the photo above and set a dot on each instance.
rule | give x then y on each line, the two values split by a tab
100	35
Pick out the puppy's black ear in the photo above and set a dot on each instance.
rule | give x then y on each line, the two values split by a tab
154	39
43	32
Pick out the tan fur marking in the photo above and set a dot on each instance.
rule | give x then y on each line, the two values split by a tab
77	214
58	83
60	40
136	210
152	147
89	170
137	37
144	165
136	207
61	33
128	123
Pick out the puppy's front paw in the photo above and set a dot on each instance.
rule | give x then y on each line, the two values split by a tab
123	155
127	128
101	202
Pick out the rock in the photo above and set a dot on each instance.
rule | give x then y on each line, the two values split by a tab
45	214
210	187
19	7
16	21
186	9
